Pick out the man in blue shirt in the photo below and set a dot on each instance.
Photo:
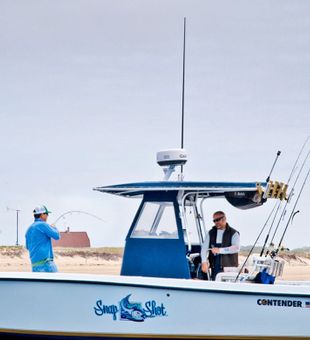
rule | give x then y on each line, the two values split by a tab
39	241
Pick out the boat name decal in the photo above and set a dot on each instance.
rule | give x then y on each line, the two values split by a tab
131	311
105	309
283	303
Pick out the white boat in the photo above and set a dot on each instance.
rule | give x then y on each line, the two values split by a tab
156	297
116	307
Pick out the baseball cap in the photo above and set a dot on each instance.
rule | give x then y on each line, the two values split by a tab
41	209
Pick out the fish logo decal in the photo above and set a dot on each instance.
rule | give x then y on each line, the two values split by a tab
132	311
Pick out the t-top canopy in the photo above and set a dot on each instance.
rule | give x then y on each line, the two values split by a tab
203	189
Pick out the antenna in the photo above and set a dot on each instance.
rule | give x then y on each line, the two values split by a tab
183	89
169	159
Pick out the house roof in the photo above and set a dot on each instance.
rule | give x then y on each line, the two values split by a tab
75	239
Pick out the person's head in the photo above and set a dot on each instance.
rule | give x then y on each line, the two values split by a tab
219	219
41	212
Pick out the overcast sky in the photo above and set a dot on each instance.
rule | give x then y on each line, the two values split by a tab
91	90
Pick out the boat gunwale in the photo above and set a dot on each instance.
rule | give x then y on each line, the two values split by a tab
227	287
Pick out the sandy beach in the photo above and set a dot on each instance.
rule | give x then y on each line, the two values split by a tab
68	260
108	261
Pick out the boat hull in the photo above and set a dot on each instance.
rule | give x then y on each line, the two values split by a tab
59	306
66	336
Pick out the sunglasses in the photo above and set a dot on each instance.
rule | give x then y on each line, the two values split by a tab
218	219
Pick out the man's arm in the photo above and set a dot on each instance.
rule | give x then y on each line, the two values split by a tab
205	253
27	243
50	231
235	245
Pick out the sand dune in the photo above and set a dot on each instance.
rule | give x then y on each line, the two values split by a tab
108	261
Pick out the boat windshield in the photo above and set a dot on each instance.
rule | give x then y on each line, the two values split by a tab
156	220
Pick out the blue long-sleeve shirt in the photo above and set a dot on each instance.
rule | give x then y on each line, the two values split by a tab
39	240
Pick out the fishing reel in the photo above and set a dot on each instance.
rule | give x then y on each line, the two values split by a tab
276	190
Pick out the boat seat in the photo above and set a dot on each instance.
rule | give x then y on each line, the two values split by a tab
226	276
194	262
271	266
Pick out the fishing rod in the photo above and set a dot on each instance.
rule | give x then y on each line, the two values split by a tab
80	212
300	152
183	91
293	213
274	163
278	209
271	225
254	245
297	212
279	204
289	199
267	180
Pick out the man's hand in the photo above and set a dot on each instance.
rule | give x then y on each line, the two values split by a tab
204	267
215	250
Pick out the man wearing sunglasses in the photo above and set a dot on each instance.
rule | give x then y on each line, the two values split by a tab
221	246
39	241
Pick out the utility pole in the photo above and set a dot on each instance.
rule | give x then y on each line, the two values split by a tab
17	212
17	222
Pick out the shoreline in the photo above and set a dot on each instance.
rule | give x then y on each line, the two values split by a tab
107	261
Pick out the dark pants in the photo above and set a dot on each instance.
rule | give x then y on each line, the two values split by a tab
217	264
217	267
